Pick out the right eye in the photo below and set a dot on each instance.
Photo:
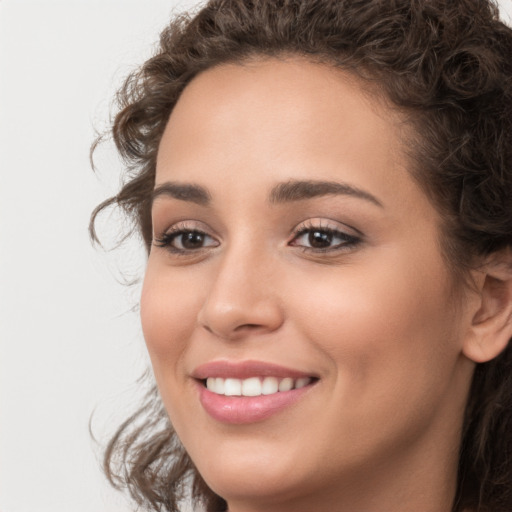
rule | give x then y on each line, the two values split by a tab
185	240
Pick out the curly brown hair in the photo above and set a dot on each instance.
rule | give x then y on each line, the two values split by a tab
448	66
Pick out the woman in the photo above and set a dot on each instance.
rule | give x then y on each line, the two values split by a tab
324	191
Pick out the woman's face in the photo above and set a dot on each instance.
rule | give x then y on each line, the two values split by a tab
292	248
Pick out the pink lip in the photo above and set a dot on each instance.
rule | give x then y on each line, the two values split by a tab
247	409
240	409
244	370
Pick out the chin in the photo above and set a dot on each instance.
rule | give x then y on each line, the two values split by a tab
254	482
251	470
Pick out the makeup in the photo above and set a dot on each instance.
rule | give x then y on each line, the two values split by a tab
249	391
296	306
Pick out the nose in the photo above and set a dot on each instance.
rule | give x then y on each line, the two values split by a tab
242	299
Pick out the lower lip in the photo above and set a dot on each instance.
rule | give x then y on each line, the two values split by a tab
238	410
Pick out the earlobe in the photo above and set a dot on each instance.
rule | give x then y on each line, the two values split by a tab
491	326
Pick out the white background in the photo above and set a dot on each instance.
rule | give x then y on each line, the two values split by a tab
70	342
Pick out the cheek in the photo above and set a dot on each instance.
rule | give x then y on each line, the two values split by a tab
392	346
168	310
391	322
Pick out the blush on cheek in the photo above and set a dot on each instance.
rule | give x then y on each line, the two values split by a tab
158	321
168	317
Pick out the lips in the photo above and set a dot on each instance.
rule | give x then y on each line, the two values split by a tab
249	391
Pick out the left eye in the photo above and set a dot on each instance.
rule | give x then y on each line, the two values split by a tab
186	240
323	239
191	240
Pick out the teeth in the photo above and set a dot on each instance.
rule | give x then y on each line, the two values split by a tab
219	385
269	386
286	384
251	387
254	386
232	387
303	381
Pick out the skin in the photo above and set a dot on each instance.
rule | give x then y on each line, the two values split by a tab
375	321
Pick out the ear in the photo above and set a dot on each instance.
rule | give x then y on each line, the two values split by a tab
491	327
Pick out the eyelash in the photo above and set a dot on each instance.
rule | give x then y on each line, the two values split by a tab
166	239
348	241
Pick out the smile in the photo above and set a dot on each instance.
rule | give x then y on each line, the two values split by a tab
255	386
249	391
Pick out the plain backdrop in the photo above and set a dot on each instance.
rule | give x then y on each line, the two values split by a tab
70	339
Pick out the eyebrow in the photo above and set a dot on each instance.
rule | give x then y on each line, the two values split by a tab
293	190
183	191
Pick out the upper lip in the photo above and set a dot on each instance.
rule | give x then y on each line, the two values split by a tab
245	370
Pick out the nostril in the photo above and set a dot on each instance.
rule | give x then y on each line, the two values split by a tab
236	318
247	326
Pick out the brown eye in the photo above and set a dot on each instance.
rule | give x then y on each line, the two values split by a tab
191	240
320	239
323	239
184	240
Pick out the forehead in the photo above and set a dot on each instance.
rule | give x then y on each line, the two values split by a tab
281	119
